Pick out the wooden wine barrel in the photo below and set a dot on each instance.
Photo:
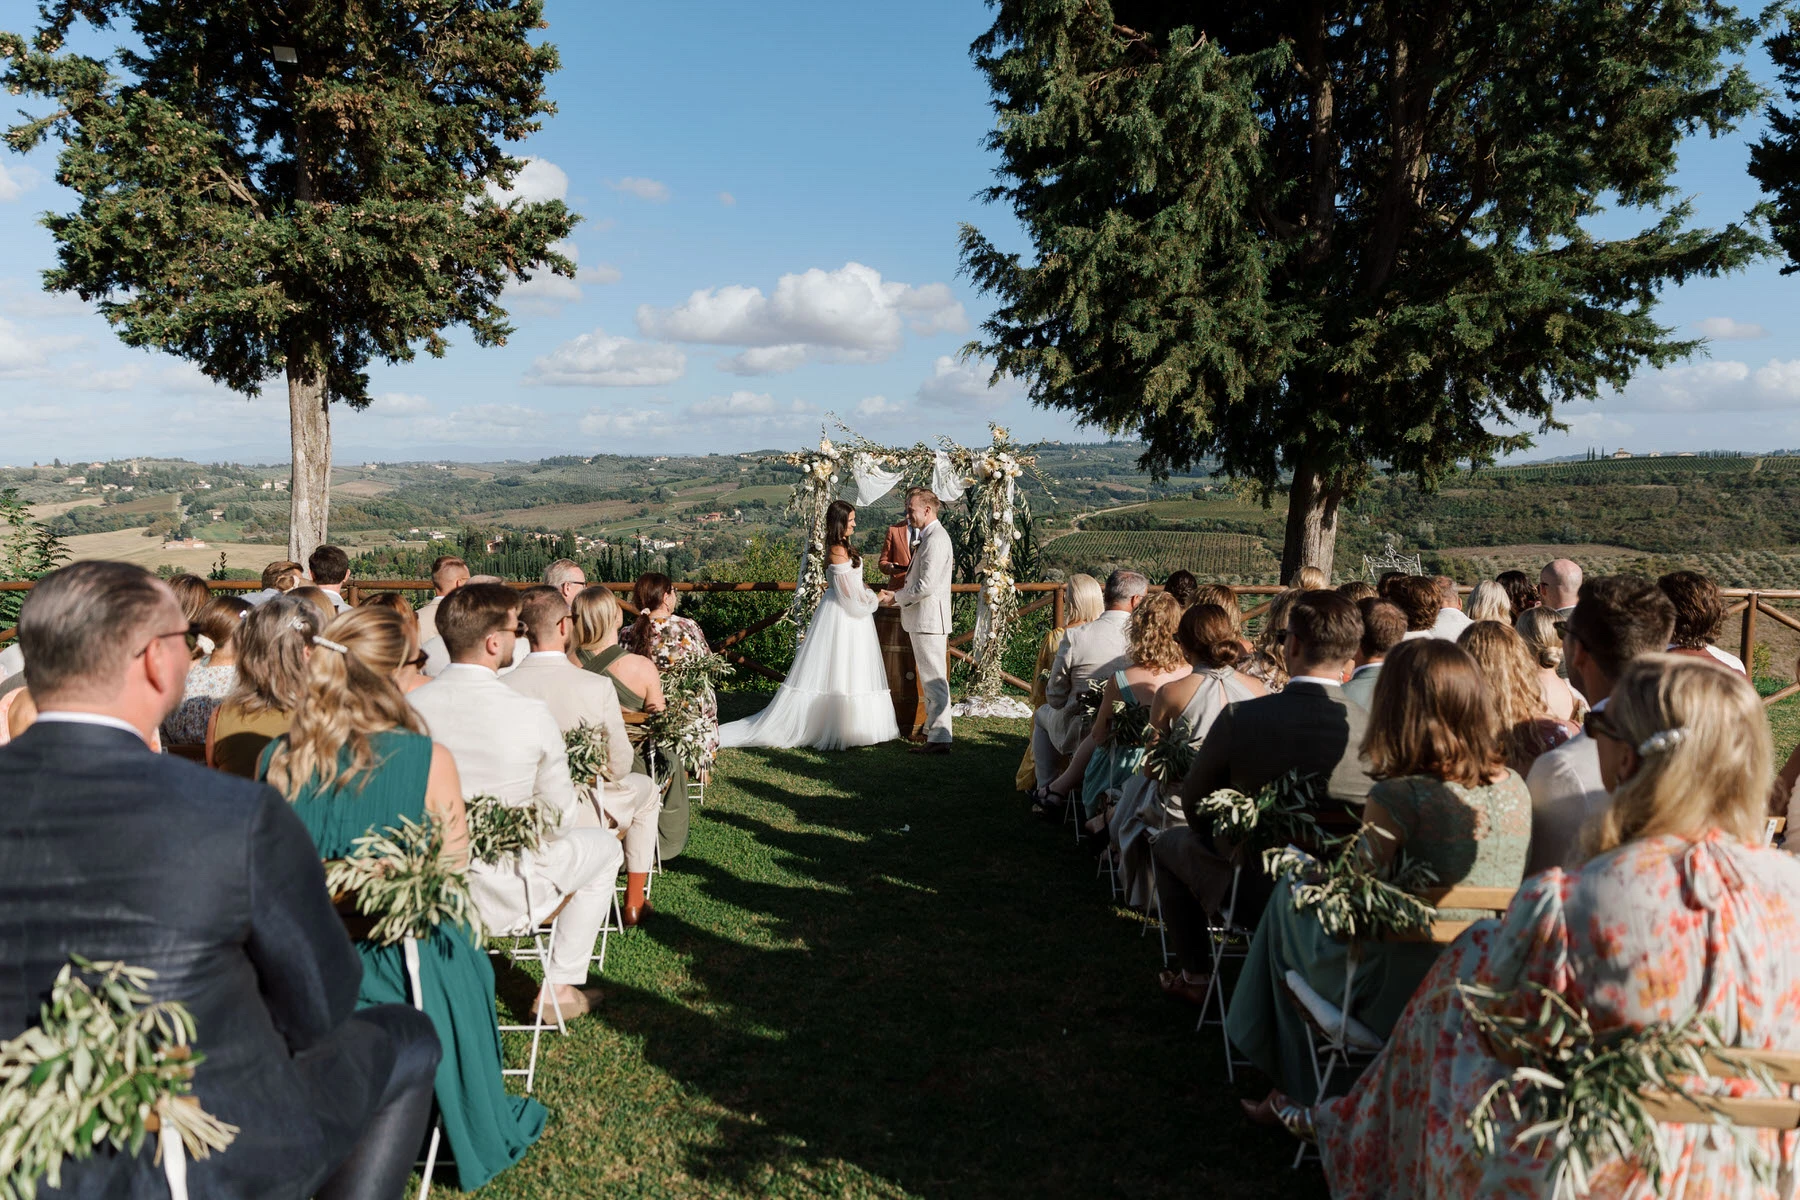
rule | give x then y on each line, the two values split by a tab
902	673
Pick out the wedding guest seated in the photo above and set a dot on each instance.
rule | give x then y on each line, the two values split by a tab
326	602
1267	663
411	674
447	574
1082	602
1537	628
330	567
1527	728
211	679
1615	620
1450	620
273	644
1185	707
1489	602
1153	657
1093	651
1383	627
1311	579
1308	727
1225	598
192	594
508	746
577	697
1183	586
120	855
1417	596
1699	611
437	654
1443	796
1357	590
567	577
281	576
1520	592
1559	586
357	760
1680	912
668	640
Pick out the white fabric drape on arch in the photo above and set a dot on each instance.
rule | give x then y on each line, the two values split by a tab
873	480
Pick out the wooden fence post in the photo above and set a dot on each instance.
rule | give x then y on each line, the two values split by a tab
1058	618
1747	641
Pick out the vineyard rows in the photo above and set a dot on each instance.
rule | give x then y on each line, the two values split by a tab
1626	470
1214	557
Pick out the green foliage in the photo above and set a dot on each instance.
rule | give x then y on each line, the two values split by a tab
1281	813
400	878
28	550
1212	556
1129	724
721	614
1170	755
102	1058
1352	899
1308	239
498	829
681	730
1775	157
589	754
1581	1093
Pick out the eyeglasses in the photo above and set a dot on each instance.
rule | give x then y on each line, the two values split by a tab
518	630
417	662
192	631
1595	725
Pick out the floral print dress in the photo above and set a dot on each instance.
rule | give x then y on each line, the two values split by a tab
672	641
1642	935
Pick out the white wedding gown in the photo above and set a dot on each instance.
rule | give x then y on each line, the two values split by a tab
836	694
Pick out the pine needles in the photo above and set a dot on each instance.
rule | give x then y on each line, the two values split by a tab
400	879
102	1059
1581	1093
590	754
498	829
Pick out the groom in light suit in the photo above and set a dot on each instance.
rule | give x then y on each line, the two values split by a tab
924	604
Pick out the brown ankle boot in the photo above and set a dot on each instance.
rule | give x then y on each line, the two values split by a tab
636	906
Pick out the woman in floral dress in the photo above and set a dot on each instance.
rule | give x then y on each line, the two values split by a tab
1682	908
667	640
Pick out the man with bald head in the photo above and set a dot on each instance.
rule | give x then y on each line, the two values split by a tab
1559	586
117	854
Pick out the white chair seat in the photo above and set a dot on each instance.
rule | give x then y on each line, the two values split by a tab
1330	1018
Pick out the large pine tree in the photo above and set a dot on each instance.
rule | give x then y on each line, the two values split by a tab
294	189
1311	239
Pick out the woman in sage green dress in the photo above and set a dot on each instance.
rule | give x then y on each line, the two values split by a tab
1447	798
597	621
357	759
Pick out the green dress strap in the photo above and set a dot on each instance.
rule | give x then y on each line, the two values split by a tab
601	663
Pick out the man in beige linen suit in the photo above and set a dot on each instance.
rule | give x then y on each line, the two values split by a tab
507	745
447	574
1091	651
924	604
577	697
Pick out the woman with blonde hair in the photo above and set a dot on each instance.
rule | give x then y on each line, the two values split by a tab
1102	764
1488	601
411	676
274	642
357	760
1527	728
1265	663
1446	798
1682	912
1537	626
1082	602
1310	579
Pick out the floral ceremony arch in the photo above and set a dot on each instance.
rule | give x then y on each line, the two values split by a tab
991	473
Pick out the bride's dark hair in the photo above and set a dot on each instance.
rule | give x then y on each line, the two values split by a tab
837	525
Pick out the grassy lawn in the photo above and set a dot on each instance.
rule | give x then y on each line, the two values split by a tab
875	975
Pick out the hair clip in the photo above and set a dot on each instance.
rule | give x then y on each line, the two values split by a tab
331	645
1662	739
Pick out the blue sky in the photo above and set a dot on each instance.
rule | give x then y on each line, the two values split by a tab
771	197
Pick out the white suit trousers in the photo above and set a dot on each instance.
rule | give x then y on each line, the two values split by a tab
931	657
634	806
581	863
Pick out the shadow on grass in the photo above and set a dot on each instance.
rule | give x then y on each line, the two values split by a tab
890	968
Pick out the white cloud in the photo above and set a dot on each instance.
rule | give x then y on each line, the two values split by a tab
1726	329
644	189
21	298
727	199
847	315
398	404
626	423
15	181
599	359
185	379
545	293
878	406
483	424
1723	385
956	384
25	354
538	180
738	404
83	378
1596	424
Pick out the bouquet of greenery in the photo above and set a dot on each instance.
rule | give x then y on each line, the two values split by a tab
1281	813
1088	703
105	1064
497	829
1129	727
683	730
590	754
1583	1093
1350	897
400	879
1170	756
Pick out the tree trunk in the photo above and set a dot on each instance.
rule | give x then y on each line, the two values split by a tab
1312	522
309	487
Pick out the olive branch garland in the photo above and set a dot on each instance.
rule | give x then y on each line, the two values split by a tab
1349	896
498	829
1581	1094
1280	813
1170	755
1129	726
399	877
589	748
681	730
102	1066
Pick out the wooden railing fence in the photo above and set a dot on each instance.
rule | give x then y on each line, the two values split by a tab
1748	604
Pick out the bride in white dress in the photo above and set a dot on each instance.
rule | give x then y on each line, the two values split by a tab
836	694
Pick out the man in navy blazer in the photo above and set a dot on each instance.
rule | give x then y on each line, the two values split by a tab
114	853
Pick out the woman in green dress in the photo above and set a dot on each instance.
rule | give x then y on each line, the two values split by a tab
356	759
1446	797
598	617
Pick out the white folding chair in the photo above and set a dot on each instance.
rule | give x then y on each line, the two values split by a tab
1162	928
1228	940
543	938
416	989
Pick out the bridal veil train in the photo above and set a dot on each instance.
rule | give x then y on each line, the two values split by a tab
836	694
